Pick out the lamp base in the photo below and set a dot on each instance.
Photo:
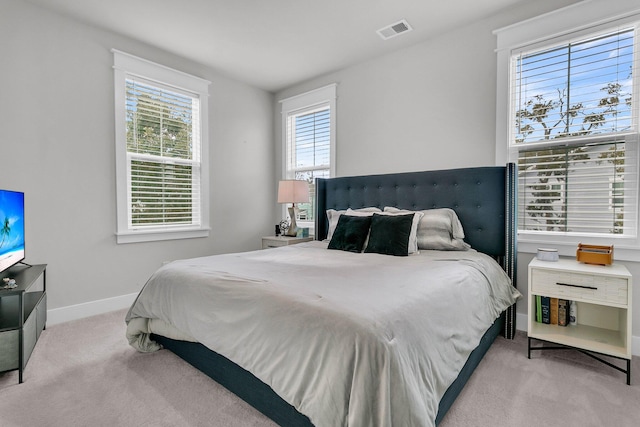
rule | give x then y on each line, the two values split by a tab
293	228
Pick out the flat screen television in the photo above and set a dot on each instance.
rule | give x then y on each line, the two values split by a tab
11	228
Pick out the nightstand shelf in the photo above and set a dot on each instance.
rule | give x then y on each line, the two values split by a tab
603	298
278	241
586	337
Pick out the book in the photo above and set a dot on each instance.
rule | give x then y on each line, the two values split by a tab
563	312
538	309
553	311
573	313
546	310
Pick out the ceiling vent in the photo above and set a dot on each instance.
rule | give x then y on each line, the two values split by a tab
393	30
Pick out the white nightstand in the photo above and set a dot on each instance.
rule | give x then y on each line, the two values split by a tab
603	297
277	241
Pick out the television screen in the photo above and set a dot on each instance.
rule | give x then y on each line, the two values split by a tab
11	228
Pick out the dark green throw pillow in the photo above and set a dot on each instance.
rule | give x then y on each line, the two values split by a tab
389	234
351	233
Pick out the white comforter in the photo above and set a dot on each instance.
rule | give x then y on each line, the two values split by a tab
347	339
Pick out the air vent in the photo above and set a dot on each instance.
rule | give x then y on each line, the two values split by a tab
393	30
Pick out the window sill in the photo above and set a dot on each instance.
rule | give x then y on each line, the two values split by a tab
158	235
623	250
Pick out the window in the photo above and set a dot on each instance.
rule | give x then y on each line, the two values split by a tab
568	112
160	156
575	135
309	142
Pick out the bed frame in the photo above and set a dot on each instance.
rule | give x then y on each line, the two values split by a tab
484	199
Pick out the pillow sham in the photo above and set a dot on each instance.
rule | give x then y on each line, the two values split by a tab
333	216
389	234
350	233
438	229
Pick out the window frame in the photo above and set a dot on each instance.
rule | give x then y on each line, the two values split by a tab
127	65
306	103
573	22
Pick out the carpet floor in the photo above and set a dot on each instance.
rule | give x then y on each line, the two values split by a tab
83	373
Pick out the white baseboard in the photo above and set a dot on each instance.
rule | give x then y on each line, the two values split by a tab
521	325
87	309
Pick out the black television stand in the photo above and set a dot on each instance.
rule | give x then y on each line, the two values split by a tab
23	316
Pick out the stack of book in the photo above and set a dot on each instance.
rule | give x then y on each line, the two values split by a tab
552	311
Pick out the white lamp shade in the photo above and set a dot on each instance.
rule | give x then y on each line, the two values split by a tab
293	191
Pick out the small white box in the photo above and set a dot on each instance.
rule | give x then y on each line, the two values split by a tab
546	254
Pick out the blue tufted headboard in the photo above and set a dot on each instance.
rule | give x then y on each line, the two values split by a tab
484	199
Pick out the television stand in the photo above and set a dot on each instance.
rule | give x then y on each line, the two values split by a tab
23	316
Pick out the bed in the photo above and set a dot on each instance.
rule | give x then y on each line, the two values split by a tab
319	335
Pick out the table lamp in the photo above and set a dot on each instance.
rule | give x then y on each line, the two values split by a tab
293	191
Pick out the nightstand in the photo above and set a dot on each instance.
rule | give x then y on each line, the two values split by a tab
277	241
603	298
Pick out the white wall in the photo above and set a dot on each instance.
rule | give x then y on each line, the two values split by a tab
57	145
429	106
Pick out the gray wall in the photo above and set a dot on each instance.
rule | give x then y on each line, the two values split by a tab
429	106
57	145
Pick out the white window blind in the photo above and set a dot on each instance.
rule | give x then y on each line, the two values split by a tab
161	160
309	142
163	147
575	135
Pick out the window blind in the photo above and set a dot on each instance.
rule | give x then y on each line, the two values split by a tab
582	189
162	155
575	136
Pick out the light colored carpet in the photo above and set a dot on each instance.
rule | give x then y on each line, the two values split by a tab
83	373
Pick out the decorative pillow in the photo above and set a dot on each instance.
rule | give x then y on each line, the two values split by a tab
389	234
350	233
413	237
438	229
363	212
333	216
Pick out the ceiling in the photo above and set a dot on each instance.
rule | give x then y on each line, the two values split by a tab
273	44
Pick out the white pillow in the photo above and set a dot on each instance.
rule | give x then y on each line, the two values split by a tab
439	229
333	216
413	236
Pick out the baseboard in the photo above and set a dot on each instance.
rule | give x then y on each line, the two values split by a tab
521	325
87	309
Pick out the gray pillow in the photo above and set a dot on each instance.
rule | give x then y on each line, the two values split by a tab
438	229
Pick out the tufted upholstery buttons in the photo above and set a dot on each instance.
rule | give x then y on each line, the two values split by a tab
471	192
